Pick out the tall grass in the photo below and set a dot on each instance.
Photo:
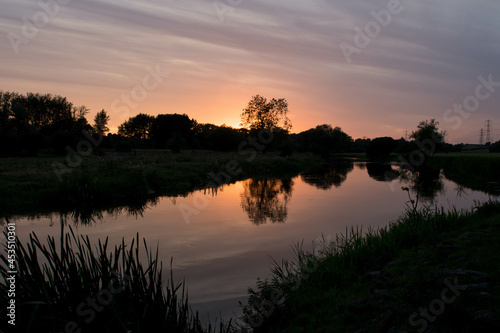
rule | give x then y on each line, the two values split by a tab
96	289
476	172
340	263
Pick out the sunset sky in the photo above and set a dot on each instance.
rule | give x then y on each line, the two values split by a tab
422	57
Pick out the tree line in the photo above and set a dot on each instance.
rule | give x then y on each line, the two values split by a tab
35	124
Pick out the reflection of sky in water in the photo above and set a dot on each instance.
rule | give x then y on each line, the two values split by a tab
222	250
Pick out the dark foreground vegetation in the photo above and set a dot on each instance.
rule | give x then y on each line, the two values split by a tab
70	285
431	270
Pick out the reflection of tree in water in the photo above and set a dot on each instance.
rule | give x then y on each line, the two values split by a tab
266	199
381	172
90	214
427	182
86	214
328	175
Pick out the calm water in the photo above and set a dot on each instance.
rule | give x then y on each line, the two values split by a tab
223	239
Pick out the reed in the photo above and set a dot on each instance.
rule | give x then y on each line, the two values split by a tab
71	284
316	283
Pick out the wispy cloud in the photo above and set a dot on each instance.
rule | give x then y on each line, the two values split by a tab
427	57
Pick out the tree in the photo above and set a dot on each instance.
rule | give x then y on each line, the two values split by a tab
428	137
176	127
324	140
261	114
428	130
34	121
495	147
380	148
79	112
6	115
137	127
100	122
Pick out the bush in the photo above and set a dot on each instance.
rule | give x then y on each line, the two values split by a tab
381	148
495	147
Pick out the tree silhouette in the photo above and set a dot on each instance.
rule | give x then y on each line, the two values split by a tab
324	140
100	122
137	127
172	129
380	148
261	114
428	130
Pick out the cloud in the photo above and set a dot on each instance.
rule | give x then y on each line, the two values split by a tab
426	59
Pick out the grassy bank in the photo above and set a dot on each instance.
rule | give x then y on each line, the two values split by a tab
31	184
473	170
74	286
384	280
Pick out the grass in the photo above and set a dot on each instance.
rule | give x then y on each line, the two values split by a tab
475	171
31	185
94	288
374	281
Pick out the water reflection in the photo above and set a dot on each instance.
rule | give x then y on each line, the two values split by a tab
328	175
427	182
86	215
266	199
381	172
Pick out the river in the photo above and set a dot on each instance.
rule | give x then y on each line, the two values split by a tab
221	240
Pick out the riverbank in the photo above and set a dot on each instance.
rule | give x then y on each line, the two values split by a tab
472	170
429	269
45	184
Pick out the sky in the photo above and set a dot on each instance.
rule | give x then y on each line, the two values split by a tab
374	68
